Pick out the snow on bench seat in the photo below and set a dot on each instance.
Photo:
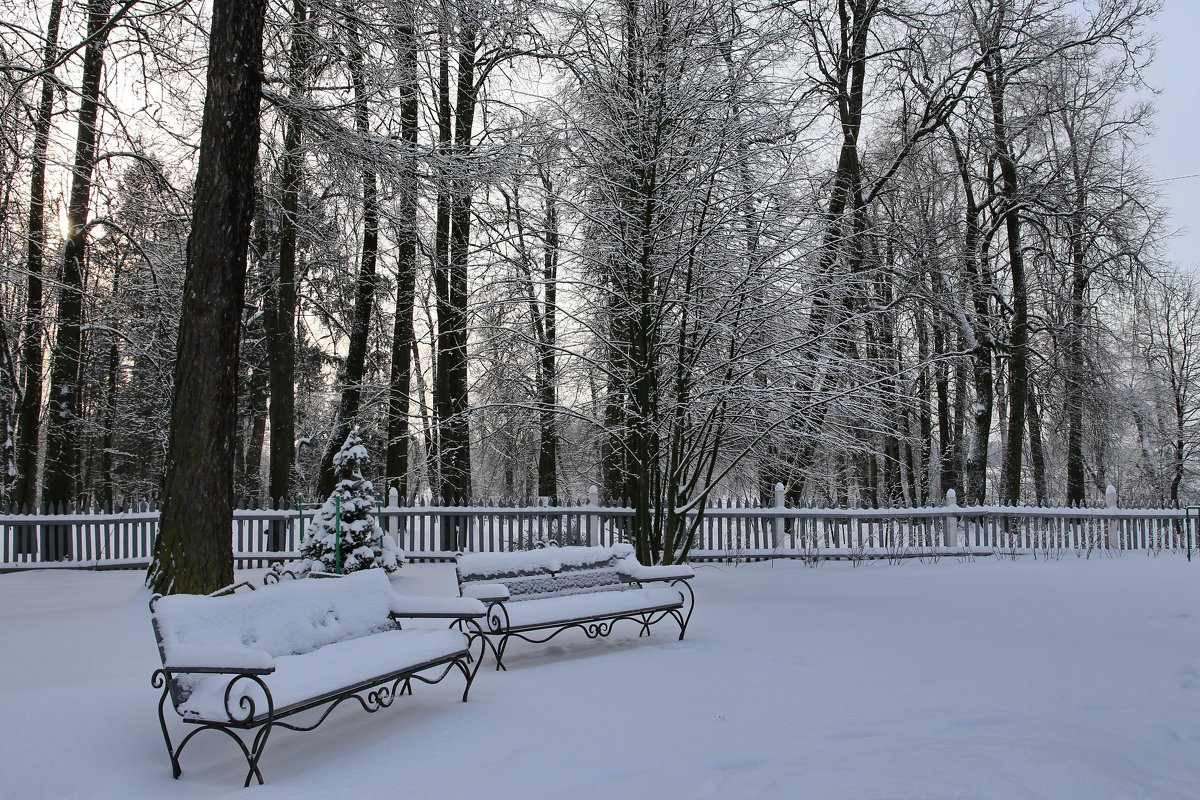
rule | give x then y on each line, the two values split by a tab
557	588
244	660
324	673
283	619
573	608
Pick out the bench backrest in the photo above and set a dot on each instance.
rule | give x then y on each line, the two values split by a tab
285	618
549	571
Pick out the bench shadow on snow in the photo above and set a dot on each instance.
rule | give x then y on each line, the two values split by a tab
573	645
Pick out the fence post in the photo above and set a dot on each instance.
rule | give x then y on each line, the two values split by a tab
393	523
779	530
1114	526
950	535
593	520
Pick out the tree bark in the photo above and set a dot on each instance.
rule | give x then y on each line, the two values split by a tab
450	389
364	287
30	404
441	252
1074	401
397	458
1010	212
193	551
1037	457
548	365
62	439
279	317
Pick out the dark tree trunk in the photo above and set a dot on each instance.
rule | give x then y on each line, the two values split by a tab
1018	364
193	552
845	214
1037	458
962	379
441	253
975	267
947	439
1178	448
30	404
8	389
279	313
450	389
1074	401
397	458
548	371
62	437
251	474
364	288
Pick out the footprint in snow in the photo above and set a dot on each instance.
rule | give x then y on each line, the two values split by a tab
1189	676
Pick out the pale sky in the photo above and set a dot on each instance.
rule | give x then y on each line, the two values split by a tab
1173	152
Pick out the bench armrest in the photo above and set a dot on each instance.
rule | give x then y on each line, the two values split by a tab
487	592
220	659
643	574
414	607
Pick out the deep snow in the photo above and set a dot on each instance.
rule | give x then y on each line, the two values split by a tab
980	680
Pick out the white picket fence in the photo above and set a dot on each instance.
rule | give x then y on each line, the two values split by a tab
729	530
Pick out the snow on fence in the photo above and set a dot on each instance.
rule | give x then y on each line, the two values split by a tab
124	537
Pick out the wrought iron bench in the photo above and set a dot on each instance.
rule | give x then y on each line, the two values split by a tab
560	588
248	661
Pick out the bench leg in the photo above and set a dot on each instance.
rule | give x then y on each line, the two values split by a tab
162	722
255	753
689	602
498	650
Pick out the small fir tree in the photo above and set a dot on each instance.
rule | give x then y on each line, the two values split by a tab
364	544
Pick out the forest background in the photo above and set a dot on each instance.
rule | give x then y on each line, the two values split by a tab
869	249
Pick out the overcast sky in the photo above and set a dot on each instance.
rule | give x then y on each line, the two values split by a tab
1173	152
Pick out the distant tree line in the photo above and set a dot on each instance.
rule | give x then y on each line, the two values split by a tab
870	249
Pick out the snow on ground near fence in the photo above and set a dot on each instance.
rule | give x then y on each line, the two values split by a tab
988	679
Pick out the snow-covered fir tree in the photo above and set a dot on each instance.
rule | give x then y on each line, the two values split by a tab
364	545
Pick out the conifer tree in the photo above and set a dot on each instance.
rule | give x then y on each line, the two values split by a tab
350	509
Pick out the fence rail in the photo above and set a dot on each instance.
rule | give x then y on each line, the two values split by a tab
430	532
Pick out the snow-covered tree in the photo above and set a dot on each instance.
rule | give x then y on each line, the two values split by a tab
364	545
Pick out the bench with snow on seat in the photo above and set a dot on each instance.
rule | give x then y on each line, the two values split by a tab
559	588
249	661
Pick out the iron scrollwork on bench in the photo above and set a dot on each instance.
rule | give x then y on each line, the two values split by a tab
247	663
536	595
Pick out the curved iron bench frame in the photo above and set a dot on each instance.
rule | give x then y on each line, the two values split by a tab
372	695
499	629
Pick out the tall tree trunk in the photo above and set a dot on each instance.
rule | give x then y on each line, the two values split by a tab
1010	212
845	215
548	366
251	466
108	420
193	552
1074	401
962	394
441	252
62	438
979	333
947	438
8	388
279	312
364	287
450	389
397	458
30	404
1037	456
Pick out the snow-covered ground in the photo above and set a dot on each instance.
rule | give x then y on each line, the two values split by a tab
989	679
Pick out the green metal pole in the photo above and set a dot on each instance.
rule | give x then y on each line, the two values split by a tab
337	533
